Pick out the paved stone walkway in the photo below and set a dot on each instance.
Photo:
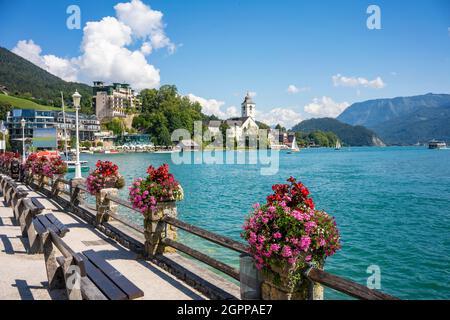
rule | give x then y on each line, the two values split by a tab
23	276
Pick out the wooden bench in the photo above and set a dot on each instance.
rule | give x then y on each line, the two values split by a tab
40	224
3	181
94	278
11	191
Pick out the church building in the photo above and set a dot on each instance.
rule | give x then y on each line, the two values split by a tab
240	126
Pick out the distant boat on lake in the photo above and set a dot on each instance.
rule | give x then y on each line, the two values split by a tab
338	145
434	144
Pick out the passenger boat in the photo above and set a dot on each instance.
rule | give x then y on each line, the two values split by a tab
434	144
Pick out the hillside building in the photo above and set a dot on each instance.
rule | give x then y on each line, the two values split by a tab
116	100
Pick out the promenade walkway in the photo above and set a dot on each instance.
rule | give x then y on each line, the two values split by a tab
23	276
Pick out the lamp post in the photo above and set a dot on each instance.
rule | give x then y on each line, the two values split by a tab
22	122
4	132
76	103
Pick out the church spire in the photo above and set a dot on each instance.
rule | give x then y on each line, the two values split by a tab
248	107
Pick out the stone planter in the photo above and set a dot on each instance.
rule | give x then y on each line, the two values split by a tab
43	181
110	182
277	285
58	186
105	206
156	229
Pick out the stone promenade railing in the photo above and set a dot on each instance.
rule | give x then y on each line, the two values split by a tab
160	234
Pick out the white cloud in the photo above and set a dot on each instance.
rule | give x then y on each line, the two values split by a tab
325	107
292	89
106	57
146	48
232	112
214	107
105	49
287	117
339	80
146	23
60	67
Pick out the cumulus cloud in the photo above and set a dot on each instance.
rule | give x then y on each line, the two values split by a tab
105	53
292	89
146	24
325	107
214	107
60	67
106	57
339	80
287	117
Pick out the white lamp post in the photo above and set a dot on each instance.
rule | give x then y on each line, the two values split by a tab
76	103
4	132
22	122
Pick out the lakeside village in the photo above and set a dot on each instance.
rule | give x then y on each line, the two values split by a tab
112	128
271	266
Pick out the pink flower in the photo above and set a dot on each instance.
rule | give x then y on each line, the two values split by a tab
275	247
277	235
286	252
305	242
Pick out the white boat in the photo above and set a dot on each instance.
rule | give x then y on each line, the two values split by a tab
294	147
71	166
434	144
338	145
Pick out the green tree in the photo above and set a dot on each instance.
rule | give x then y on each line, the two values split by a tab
115	125
164	111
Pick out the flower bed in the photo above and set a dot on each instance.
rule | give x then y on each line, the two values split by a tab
287	233
105	175
158	186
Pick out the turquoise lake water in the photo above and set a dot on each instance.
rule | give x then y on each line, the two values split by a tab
392	206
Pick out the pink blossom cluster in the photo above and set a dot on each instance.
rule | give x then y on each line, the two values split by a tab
141	198
286	232
105	175
159	186
47	166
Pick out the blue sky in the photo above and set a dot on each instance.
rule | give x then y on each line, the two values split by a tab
224	48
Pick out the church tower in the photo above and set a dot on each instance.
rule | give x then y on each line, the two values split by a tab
248	107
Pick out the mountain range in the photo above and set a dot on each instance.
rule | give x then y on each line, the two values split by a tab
348	134
23	79
403	120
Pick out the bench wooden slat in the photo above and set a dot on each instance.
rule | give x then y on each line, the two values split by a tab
37	204
106	286
47	224
120	280
38	226
58	224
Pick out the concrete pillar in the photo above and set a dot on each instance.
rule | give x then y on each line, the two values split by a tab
156	229
104	206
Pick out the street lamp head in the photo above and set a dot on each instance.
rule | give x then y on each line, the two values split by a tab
76	99
22	122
